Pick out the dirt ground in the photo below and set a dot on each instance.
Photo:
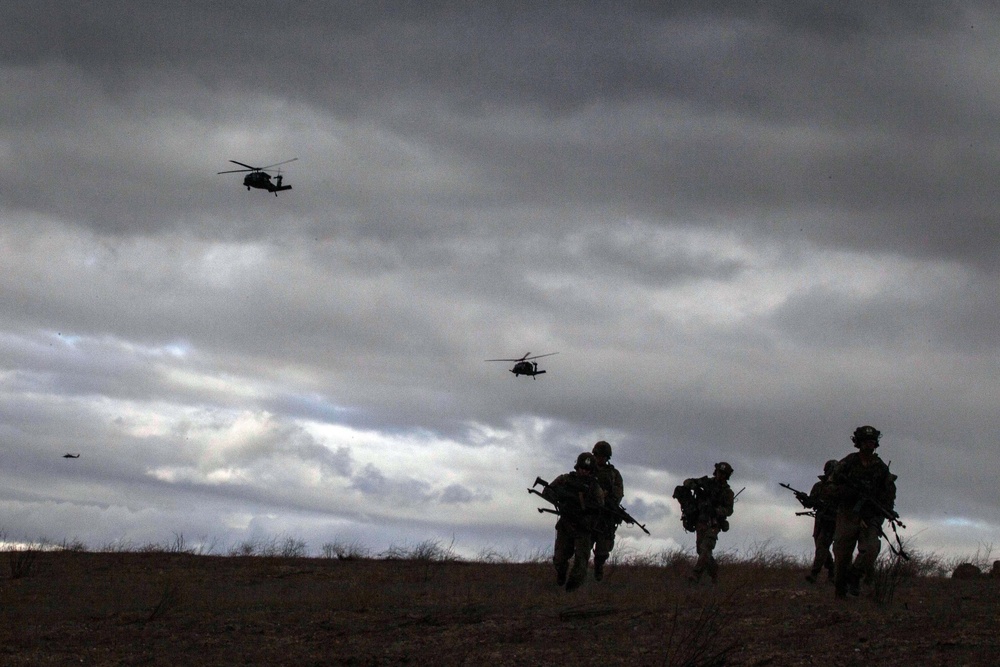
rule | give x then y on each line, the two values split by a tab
178	609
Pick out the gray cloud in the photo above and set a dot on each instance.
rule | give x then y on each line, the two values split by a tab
745	229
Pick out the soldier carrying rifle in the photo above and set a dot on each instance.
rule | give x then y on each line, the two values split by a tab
578	498
614	490
586	515
822	507
865	493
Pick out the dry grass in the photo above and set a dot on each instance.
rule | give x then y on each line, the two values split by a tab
419	604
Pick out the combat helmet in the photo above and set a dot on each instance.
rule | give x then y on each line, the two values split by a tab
586	461
866	434
724	468
602	448
828	468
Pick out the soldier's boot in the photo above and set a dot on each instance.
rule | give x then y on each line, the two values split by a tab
713	572
840	583
561	574
599	568
854	585
695	577
573	584
811	577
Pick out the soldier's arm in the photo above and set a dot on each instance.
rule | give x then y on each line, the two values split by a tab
598	496
815	496
551	492
725	508
617	490
887	496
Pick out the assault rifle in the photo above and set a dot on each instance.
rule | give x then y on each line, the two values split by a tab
617	512
803	499
801	496
867	499
882	512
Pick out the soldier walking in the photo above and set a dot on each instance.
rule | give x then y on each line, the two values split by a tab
865	492
714	500
824	524
614	490
578	497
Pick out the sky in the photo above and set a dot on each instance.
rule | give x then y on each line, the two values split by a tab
745	229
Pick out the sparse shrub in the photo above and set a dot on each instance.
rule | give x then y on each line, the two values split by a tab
292	547
431	550
765	554
983	559
426	551
923	564
345	550
169	599
696	640
74	545
890	570
178	546
248	547
283	547
118	546
151	548
675	559
539	555
22	562
493	556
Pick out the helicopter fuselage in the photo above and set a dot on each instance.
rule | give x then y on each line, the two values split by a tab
262	180
526	368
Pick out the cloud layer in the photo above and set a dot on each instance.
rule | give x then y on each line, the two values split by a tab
745	231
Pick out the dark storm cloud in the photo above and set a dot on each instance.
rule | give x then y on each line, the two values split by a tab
744	227
853	126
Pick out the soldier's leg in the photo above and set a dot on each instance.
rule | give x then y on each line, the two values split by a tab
707	537
826	540
561	554
699	564
711	566
822	539
845	536
819	557
869	546
582	545
603	545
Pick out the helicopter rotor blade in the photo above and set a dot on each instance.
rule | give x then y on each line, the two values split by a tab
233	171
247	166
539	356
275	164
501	360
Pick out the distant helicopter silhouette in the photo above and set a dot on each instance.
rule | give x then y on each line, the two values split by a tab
258	178
525	365
71	456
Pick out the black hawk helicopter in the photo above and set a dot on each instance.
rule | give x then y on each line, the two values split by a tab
525	365
258	178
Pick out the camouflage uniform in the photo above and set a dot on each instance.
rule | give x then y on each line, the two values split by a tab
577	495
824	524
614	490
715	503
855	484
